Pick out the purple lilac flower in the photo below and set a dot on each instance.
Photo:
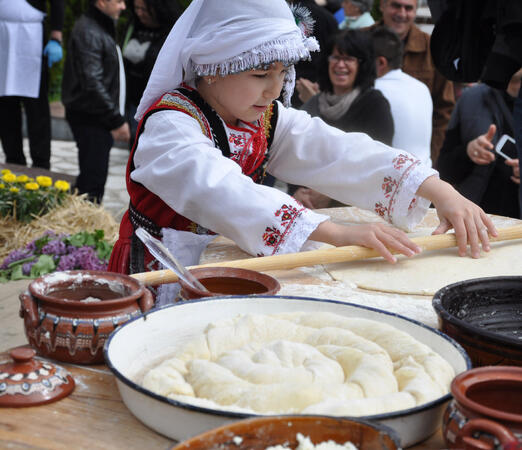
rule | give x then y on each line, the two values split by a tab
31	246
26	267
67	262
88	259
54	247
15	255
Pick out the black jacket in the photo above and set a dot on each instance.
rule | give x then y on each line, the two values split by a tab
369	113
490	185
91	78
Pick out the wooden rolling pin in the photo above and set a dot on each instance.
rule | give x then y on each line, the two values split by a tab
326	256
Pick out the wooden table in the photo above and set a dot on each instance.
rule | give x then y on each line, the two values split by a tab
94	416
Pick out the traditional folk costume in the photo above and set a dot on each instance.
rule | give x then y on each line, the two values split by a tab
191	175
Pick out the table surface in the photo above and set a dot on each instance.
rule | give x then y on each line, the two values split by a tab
94	416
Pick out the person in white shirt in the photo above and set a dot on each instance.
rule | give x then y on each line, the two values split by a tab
410	100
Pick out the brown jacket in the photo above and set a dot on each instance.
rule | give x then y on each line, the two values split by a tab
418	63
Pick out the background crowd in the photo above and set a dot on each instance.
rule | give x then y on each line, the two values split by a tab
375	74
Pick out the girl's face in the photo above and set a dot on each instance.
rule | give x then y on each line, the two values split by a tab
244	96
350	9
342	70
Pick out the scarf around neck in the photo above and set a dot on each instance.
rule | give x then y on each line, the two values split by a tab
333	107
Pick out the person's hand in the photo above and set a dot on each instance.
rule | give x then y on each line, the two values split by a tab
513	163
306	89
311	199
380	237
470	222
122	133
53	51
479	150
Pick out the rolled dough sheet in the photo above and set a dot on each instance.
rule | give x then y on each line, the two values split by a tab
428	272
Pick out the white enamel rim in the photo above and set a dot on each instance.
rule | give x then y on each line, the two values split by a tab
238	415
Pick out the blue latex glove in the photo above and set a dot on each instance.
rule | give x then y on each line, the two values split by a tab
53	51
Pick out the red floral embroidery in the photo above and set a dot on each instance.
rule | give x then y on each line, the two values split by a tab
412	203
271	236
274	236
401	160
389	185
237	139
380	209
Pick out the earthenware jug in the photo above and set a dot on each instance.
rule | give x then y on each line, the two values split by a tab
486	410
69	315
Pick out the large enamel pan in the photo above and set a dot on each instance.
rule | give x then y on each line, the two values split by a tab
159	332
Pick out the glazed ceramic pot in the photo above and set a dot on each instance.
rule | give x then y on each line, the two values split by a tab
260	433
69	315
27	381
486	411
229	281
484	315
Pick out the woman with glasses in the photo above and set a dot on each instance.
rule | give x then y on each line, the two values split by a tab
347	99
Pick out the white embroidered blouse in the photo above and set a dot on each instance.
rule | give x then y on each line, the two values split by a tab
177	162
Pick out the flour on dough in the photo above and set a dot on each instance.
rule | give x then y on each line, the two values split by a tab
430	271
310	363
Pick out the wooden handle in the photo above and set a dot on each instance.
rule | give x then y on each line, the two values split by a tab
326	256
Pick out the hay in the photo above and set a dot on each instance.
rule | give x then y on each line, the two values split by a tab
74	215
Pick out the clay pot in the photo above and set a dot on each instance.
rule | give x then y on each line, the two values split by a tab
260	433
69	315
486	411
484	315
27	381
229	281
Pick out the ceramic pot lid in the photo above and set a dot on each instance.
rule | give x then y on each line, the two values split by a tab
26	381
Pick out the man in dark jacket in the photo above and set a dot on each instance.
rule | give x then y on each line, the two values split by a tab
93	93
31	92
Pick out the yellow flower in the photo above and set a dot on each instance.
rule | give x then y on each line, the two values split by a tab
22	178
62	185
4	171
44	181
9	177
2	185
14	189
32	186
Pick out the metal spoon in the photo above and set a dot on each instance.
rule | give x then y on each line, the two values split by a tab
163	255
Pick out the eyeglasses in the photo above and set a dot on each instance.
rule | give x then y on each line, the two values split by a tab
335	59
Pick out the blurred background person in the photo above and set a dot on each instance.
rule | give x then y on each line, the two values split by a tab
93	93
24	76
357	14
468	160
347	99
399	15
410	100
150	23
324	26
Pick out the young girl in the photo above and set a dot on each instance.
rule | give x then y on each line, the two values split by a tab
211	127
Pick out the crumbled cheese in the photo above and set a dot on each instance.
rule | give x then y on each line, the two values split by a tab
306	444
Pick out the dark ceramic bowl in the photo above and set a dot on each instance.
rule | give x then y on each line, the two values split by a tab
484	315
229	281
262	432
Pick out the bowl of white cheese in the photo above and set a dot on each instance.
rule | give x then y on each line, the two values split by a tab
295	432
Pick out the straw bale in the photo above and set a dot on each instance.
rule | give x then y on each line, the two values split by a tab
74	215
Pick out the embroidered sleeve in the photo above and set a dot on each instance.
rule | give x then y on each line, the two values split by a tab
177	162
349	167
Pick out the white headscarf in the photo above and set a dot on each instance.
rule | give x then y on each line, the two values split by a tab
224	37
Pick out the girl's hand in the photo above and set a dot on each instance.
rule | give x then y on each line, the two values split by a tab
311	199
470	222
479	150
378	236
513	163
